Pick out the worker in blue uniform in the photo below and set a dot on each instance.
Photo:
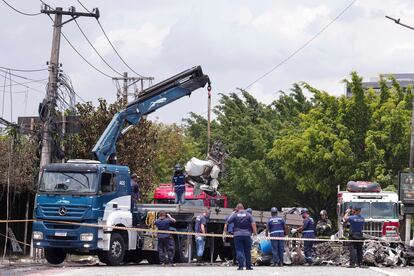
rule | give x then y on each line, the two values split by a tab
308	231
276	227
356	225
200	229
165	241
244	227
178	181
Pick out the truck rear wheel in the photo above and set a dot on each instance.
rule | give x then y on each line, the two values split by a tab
116	252
181	249
55	255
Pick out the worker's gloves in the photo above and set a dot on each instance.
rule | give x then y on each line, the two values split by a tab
293	231
224	238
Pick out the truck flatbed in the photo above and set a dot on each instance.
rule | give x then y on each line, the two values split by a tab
218	215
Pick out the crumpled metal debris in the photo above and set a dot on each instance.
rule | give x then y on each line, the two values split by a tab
331	253
387	254
376	253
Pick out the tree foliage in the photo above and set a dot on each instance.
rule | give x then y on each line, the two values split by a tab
296	151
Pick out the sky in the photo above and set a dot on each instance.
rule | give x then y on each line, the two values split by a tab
235	42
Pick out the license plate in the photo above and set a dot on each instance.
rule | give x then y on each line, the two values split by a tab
61	234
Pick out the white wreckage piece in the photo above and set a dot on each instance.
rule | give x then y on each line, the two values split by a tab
203	174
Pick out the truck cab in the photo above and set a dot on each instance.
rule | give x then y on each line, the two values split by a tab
81	191
381	209
164	194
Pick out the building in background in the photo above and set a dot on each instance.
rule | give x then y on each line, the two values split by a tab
405	80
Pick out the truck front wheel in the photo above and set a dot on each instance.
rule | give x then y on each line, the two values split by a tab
116	252
55	255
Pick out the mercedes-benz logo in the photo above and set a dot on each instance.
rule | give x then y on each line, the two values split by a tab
62	211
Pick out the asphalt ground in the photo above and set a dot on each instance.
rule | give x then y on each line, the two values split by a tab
193	270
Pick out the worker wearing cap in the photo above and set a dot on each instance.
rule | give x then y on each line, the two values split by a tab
165	241
356	225
276	228
244	226
308	231
178	181
324	225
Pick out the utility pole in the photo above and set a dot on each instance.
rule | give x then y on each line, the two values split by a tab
52	87
408	217
123	93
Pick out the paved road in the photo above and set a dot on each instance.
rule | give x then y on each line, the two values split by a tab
148	270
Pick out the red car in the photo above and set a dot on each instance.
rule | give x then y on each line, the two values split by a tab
165	194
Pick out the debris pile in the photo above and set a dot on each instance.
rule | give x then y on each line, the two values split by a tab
336	253
331	253
388	254
203	174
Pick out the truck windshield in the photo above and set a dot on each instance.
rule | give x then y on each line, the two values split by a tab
68	182
363	205
380	210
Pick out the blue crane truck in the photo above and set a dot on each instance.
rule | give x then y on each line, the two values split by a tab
71	196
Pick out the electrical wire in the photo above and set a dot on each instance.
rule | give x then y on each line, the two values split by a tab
24	85
76	50
303	46
84	59
19	76
110	42
96	51
36	81
24	70
16	10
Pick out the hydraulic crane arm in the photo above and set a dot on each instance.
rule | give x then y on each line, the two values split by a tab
147	102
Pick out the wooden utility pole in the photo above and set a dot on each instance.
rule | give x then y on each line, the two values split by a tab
125	88
51	93
52	87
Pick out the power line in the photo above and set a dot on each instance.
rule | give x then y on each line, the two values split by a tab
79	54
303	46
84	59
96	51
27	82
24	70
16	10
19	76
110	42
22	84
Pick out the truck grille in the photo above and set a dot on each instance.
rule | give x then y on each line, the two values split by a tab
50	225
373	228
61	238
72	211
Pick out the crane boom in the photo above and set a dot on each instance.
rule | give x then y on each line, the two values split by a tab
147	102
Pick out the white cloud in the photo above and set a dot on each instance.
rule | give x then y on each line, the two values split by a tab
235	41
146	39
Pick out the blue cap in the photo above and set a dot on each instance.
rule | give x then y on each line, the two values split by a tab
249	210
273	210
304	210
